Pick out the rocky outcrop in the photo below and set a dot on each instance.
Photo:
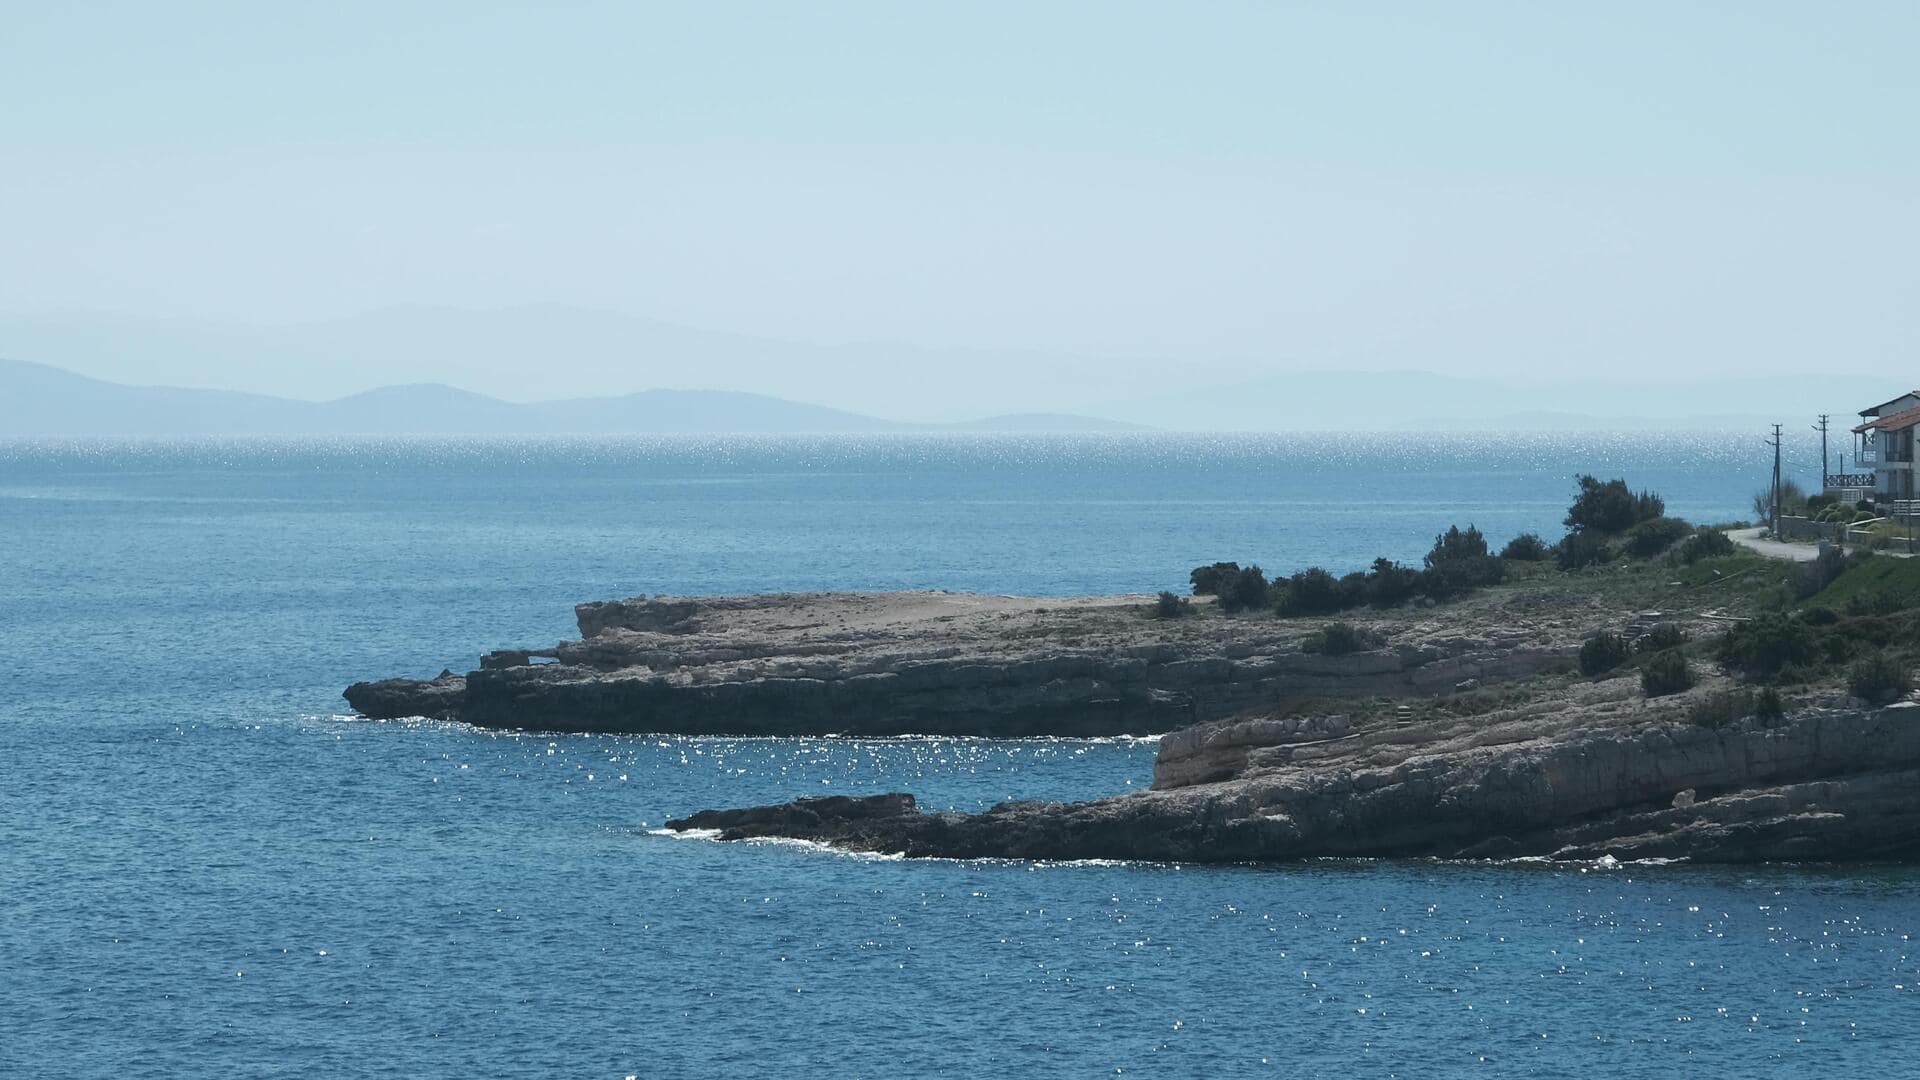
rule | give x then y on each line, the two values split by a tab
1593	778
440	698
943	664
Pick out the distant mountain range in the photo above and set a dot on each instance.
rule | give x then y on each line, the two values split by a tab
549	369
580	369
39	400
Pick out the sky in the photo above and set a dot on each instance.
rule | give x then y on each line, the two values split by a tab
1477	189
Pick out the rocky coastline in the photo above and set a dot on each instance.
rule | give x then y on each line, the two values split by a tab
1465	730
1833	782
931	663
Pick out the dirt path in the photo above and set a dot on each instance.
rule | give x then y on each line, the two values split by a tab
1773	549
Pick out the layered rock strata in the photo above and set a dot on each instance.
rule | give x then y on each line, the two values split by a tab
1595	775
938	664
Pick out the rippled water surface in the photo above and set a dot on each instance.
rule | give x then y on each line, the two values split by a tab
204	870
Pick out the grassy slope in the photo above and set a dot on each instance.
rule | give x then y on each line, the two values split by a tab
1875	576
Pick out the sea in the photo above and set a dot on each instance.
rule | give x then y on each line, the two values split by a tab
209	869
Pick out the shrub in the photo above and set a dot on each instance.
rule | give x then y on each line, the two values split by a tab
1312	591
1580	549
1242	589
1666	673
1865	506
1705	543
1650	538
1169	606
1817	503
1458	562
1791	499
1820	616
1877	677
1763	645
1339	639
1206	579
1527	547
1767	705
1610	507
1602	653
1389	584
1454	545
1881	601
1353	590
1723	708
1660	638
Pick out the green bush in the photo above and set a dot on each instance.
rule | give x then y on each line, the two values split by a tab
1242	589
1580	549
1389	584
1312	591
1768	707
1763	645
1169	606
1650	538
1666	673
1353	590
1206	579
1877	677
1602	653
1661	638
1610	507
1339	639
1527	547
1882	601
1723	708
1459	562
1705	543
1820	616
1454	545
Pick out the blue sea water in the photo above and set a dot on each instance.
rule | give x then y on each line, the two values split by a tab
207	870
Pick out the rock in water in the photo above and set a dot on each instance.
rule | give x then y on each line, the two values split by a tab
439	698
931	663
1591	780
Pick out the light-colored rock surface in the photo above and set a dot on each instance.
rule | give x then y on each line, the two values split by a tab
951	663
1598	775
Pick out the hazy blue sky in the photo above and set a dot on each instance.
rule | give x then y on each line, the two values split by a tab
1469	188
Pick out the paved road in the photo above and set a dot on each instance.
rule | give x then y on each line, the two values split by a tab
1773	549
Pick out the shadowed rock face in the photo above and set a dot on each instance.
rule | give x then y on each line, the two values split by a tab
440	698
933	663
1827	783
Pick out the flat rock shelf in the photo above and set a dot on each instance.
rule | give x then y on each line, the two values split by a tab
932	663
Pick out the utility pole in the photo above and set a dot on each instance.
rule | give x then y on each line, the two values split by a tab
1774	509
1826	467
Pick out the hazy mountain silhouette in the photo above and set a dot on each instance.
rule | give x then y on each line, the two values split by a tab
561	357
36	399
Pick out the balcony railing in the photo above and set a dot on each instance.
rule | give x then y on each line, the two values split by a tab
1883	458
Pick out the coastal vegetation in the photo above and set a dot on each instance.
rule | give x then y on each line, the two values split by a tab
1846	621
1666	672
1603	652
1792	500
1607	520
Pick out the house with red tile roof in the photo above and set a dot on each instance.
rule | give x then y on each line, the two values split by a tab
1886	444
